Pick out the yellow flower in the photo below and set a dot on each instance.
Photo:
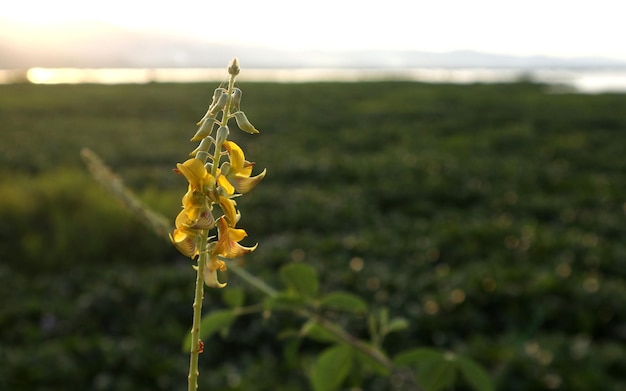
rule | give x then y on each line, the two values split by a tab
185	239
212	265
193	169
228	239
240	170
230	212
196	211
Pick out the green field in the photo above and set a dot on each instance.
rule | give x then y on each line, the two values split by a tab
492	217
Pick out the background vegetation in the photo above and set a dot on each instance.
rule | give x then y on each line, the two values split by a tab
489	216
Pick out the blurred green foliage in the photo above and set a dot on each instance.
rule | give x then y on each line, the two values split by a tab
492	217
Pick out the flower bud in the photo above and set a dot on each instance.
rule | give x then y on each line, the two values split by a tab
205	129
225	168
222	135
233	68
218	105
217	93
243	123
235	100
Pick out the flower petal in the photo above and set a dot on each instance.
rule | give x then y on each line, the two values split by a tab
244	184
228	207
186	241
225	184
210	279
227	241
212	265
193	169
235	155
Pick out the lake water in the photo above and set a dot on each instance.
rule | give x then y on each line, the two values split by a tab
578	80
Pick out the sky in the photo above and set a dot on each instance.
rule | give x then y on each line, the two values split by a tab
572	28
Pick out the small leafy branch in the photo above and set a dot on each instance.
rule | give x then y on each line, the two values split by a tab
209	203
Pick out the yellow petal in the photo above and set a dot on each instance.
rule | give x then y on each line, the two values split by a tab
235	154
210	279
185	241
244	184
212	265
228	207
227	241
225	184
193	169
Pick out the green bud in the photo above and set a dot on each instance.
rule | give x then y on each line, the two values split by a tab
235	100
222	135
219	105
233	68
225	168
243	123
217	93
205	129
202	155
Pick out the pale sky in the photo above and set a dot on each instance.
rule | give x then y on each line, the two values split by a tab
532	27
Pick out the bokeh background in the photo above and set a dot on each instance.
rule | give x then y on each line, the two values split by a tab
489	215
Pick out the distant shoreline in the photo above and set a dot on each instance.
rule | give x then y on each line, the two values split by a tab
583	80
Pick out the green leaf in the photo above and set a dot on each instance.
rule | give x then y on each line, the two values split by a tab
301	278
437	374
435	370
475	375
233	297
219	320
371	363
317	333
397	324
331	368
344	301
285	301
291	352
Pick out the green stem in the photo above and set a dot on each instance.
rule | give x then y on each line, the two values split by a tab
250	279
225	116
192	384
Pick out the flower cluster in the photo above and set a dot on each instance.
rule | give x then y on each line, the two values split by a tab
210	199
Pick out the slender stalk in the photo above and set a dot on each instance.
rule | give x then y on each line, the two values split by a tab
225	117
192	384
251	279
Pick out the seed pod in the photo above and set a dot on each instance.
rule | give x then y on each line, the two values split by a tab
243	123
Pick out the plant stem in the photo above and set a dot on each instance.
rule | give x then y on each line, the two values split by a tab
192	384
250	279
224	122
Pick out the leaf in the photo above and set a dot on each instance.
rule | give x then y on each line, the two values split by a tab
317	333
219	320
331	368
475	375
233	297
435	370
291	352
301	278
371	363
397	324
344	301
437	374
